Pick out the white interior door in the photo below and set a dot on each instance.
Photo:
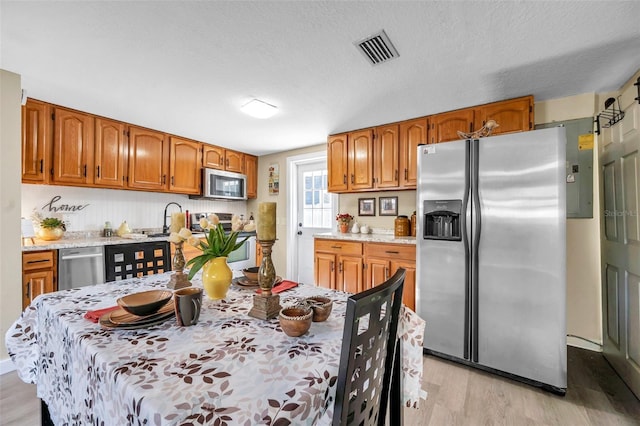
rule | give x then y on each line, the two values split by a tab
620	213
312	212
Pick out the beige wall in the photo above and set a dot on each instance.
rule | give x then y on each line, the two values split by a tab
584	317
280	252
10	253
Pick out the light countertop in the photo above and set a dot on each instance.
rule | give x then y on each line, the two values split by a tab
367	238
77	241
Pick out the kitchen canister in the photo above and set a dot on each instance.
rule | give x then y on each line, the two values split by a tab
401	228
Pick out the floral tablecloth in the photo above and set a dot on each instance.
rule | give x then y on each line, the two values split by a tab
230	368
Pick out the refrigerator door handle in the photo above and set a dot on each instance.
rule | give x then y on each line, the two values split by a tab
465	242
475	245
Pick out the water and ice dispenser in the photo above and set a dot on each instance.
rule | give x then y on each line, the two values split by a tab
442	220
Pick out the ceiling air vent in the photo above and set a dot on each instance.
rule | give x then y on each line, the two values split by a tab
377	48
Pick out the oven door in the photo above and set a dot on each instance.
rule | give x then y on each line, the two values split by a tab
243	257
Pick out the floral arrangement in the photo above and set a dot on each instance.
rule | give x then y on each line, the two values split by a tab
344	218
217	244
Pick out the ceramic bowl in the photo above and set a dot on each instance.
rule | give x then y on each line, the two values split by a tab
321	307
295	321
251	273
146	302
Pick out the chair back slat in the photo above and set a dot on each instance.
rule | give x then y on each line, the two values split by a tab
369	344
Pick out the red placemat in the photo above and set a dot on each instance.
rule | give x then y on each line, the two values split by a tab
281	286
94	316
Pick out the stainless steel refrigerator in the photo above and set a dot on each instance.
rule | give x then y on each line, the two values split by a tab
491	270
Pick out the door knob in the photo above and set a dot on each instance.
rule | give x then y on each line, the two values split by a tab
299	232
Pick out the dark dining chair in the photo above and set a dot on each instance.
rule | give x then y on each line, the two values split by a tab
370	361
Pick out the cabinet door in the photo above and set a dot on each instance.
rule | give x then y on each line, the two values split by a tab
360	160
386	156
412	134
72	147
409	290
325	270
148	159
36	142
234	161
337	155
35	284
110	153
377	272
213	157
251	170
444	127
513	115
184	166
349	276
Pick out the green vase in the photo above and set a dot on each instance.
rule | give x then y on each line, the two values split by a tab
216	278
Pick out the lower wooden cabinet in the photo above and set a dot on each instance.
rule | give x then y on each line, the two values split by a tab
355	267
339	265
382	260
39	274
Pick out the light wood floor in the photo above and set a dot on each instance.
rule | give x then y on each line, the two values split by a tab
458	395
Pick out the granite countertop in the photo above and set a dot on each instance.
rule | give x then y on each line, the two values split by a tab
367	238
91	239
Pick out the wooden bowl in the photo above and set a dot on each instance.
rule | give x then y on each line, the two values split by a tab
295	321
321	307
251	273
146	302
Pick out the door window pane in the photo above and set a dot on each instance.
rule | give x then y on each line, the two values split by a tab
317	200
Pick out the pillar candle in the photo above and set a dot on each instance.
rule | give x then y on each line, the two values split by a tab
178	221
266	221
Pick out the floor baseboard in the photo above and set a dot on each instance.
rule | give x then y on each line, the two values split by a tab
6	366
584	344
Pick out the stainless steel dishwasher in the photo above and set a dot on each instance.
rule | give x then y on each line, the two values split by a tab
78	267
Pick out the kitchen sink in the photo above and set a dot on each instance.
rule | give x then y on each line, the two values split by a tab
159	234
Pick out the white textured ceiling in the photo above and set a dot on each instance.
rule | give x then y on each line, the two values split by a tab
187	67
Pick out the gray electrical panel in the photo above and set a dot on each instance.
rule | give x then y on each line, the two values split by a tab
579	173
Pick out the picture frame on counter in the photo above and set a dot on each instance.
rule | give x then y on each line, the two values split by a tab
388	206
366	206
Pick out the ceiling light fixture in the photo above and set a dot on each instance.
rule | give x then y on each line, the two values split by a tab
259	109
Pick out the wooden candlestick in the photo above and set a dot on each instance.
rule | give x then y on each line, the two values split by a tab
265	304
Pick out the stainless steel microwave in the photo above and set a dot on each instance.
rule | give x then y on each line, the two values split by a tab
223	185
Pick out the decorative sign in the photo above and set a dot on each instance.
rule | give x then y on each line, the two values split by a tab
62	208
274	179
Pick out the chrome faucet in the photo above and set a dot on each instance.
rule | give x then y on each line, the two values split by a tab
165	227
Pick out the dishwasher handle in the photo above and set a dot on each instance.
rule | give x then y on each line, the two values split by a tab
80	256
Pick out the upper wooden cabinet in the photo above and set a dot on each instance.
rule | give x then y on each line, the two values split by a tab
251	170
386	156
148	159
36	142
512	115
412	134
350	161
72	147
67	147
395	149
184	166
444	127
360	159
234	161
215	157
110	154
337	154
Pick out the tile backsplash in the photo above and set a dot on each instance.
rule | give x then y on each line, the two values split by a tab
87	209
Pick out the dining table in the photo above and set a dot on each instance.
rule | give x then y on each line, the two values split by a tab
227	369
